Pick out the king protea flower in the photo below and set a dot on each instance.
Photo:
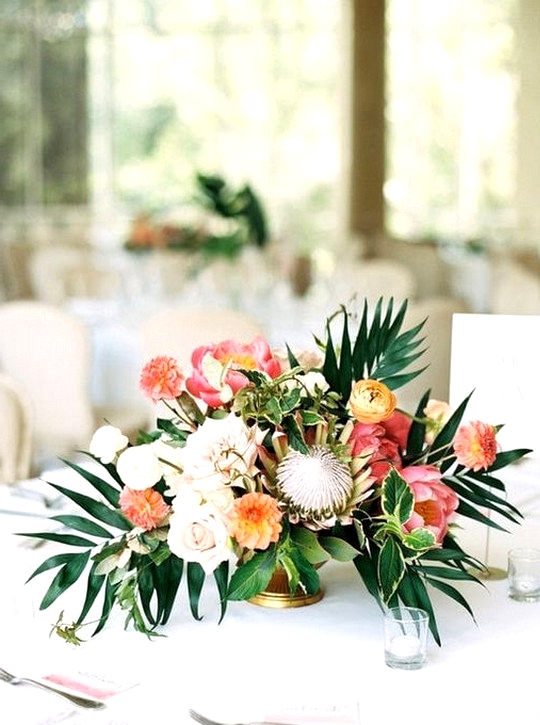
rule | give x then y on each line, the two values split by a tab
318	488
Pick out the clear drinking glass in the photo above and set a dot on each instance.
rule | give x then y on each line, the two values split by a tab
524	574
405	638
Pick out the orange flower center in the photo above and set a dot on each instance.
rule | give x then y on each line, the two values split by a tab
239	360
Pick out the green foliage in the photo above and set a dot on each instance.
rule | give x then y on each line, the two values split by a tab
380	350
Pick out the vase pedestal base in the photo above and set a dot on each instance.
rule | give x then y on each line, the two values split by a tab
277	594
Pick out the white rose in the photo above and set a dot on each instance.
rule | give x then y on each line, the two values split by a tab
220	452
106	442
138	467
199	534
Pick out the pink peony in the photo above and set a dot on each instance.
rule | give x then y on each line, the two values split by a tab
434	501
215	378
385	452
388	440
475	445
145	509
162	378
397	429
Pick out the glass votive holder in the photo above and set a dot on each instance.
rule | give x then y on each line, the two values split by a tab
405	637
524	574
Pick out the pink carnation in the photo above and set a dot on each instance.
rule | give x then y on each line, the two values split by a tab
162	378
145	508
475	445
434	501
232	357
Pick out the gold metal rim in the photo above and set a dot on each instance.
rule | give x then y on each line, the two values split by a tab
280	600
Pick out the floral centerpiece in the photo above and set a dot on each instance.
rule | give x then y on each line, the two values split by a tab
231	220
266	463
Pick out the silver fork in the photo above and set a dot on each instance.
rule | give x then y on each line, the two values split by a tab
80	701
203	720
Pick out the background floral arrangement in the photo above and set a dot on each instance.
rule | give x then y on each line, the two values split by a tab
232	219
267	462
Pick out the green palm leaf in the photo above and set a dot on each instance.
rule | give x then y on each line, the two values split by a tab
380	350
65	578
95	508
109	492
195	580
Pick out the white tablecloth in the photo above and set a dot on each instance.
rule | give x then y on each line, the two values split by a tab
258	660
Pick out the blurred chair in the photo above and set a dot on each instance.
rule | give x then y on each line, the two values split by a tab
177	331
62	272
47	351
437	333
15	432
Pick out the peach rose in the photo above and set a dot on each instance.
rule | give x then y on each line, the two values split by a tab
371	401
199	533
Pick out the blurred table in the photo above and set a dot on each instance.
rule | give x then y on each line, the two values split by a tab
259	659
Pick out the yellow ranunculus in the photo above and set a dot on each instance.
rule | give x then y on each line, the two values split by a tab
371	401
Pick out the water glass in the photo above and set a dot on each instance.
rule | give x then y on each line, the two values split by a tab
524	574
405	637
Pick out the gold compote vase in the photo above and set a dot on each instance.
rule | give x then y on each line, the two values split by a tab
277	594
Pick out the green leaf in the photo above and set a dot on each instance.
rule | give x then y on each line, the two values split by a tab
505	458
109	493
68	539
108	602
453	593
65	578
167	577
94	585
391	568
419	539
97	509
308	543
221	576
86	526
195	581
397	499
413	593
308	577
52	563
338	549
253	576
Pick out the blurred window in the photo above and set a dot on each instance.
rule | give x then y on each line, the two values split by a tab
118	103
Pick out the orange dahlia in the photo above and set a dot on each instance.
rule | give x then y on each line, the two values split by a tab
255	521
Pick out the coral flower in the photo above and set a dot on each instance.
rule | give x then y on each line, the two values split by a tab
161	378
255	520
475	445
145	509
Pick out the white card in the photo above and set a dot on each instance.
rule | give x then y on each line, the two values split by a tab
498	356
